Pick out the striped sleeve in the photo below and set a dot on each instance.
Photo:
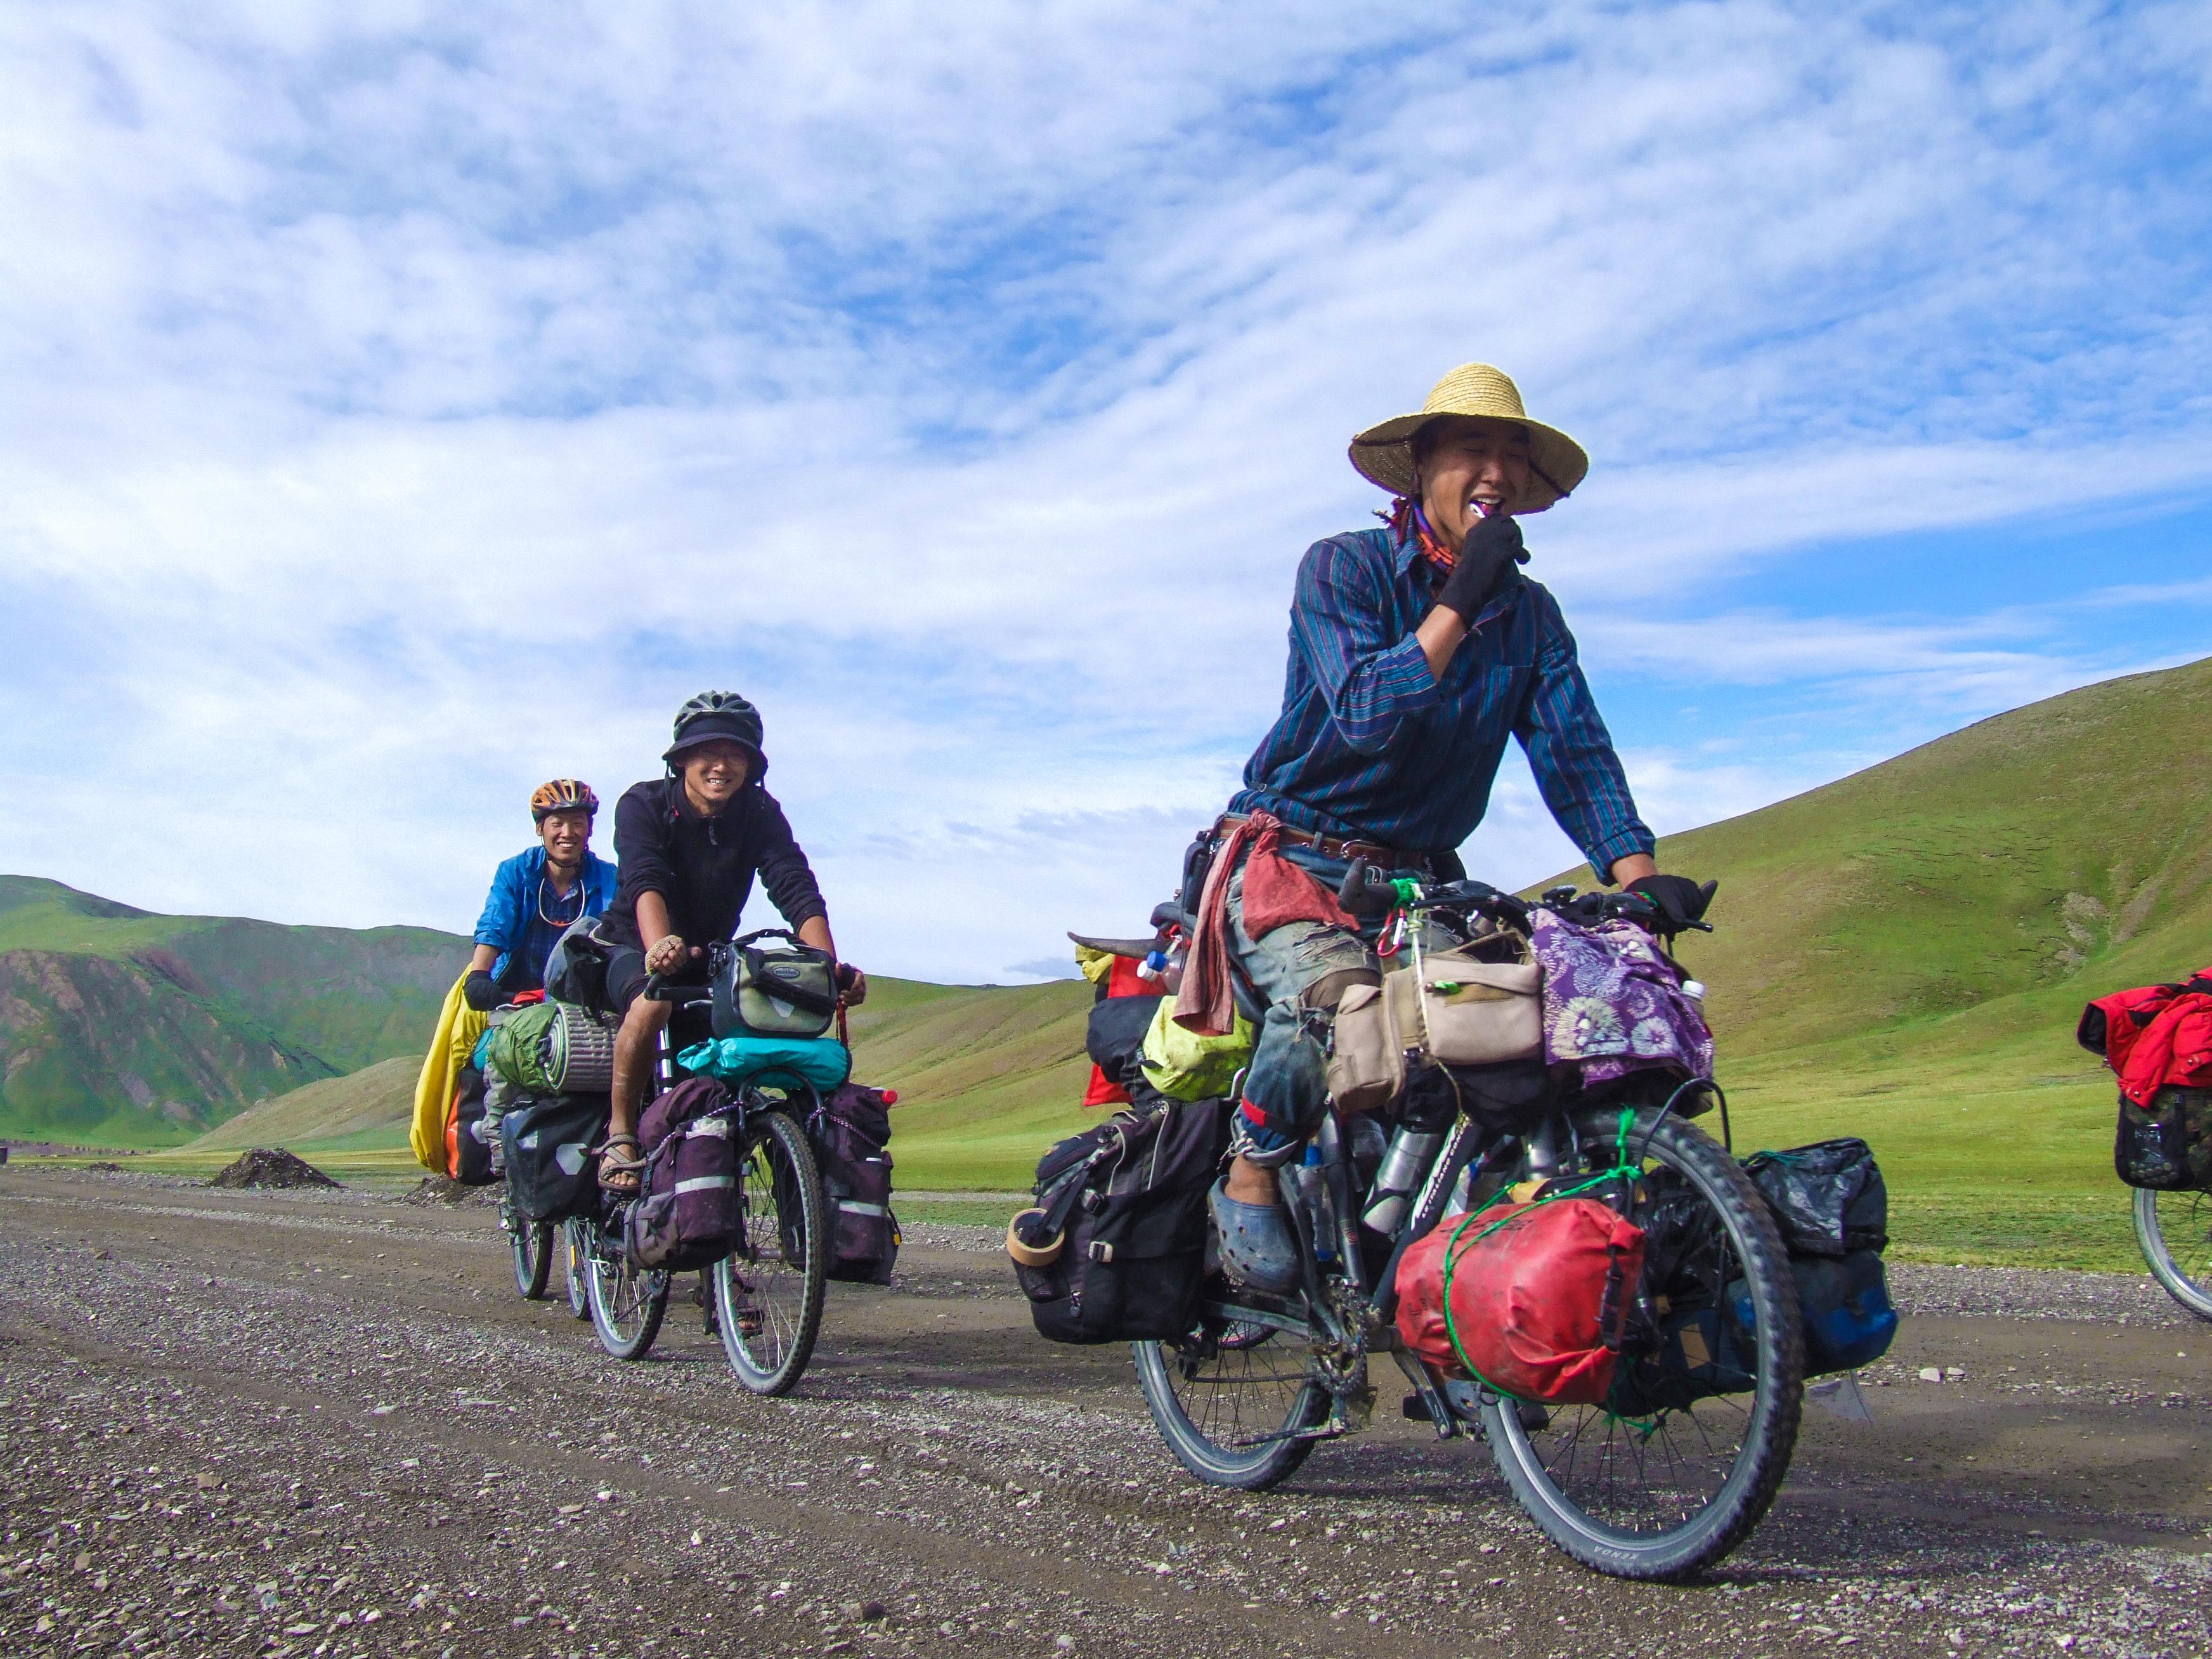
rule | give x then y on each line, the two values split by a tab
1571	753
1339	625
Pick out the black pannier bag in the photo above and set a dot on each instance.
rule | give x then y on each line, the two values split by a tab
851	1136
1829	1199
1114	1248
547	1143
468	1154
1831	1207
2168	1147
788	990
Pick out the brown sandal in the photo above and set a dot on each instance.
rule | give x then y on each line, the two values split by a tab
627	1172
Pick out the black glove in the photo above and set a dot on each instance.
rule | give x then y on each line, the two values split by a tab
479	993
1490	545
1678	900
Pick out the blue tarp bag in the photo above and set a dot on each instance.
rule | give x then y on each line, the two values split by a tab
823	1063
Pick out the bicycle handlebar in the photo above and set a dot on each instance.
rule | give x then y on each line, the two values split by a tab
1366	891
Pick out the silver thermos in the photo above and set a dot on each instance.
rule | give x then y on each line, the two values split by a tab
1403	1165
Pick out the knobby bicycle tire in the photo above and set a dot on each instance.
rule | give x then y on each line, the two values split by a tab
1216	1444
759	1285
1765	1431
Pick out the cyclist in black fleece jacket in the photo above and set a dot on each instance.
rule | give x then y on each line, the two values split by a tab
690	845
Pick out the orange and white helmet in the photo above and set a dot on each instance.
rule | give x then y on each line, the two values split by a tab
561	795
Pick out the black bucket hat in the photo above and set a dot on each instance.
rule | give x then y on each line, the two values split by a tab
718	717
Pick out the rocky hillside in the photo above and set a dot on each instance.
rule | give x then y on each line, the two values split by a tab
127	1028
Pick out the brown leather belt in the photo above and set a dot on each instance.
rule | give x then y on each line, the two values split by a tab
1387	857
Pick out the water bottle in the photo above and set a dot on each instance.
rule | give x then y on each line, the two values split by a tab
1403	1164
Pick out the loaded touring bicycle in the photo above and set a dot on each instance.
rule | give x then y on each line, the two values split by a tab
1657	1458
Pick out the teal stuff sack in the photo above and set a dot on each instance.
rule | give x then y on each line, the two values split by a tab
820	1062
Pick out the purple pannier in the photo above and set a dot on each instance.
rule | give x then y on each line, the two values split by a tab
688	1216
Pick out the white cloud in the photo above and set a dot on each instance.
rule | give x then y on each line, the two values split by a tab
406	405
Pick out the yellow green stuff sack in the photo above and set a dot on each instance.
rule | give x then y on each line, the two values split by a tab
1179	1062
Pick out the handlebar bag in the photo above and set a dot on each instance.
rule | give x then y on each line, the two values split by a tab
1125	1205
1458	1011
687	1216
788	990
1537	1298
851	1135
552	1172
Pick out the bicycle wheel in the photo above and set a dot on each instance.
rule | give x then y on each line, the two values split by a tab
768	1293
627	1305
2174	1231
1228	1397
1682	1461
576	1265
531	1242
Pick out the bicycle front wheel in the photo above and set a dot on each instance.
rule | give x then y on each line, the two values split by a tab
1236	1398
768	1293
576	1265
1689	1449
2174	1231
627	1304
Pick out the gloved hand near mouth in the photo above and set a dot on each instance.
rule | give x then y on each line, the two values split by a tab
1491	543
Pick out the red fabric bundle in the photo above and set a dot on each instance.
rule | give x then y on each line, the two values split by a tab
1535	1301
2155	1037
1276	891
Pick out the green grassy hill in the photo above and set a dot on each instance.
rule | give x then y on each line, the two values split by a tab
1903	955
1900	955
128	1029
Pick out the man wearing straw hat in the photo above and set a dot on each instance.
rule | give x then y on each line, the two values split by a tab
1417	650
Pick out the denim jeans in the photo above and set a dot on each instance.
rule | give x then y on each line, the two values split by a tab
1286	1087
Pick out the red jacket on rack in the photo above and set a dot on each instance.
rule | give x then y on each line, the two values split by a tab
2153	1037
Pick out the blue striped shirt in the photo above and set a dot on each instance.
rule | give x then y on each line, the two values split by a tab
1370	744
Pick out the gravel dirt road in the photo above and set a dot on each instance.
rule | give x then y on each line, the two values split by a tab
322	1423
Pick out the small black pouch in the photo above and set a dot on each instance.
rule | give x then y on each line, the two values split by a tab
2168	1147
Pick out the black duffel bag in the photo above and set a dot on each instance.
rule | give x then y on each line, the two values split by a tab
1114	1248
549	1143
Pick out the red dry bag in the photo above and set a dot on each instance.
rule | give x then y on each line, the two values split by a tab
1538	1295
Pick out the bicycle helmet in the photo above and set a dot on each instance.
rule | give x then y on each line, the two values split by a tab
561	795
718	717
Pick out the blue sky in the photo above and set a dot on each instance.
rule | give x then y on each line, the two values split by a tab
403	405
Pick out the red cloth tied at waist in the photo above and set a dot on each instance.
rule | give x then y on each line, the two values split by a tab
1276	892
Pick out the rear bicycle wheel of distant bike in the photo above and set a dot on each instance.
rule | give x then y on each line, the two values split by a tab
576	1265
532	1244
1682	1461
2174	1231
627	1304
768	1294
1235	1398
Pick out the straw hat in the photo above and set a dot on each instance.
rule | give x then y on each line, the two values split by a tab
1384	454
